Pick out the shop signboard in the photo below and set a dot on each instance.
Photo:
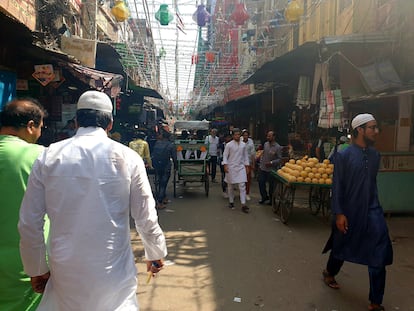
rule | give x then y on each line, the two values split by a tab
44	74
238	91
23	10
84	50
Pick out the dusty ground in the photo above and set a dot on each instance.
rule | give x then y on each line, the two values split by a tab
224	260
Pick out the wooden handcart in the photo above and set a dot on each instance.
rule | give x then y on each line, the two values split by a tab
284	196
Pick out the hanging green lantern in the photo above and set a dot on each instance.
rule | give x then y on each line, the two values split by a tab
163	15
162	52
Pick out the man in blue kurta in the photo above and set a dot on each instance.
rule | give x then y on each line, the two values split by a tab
360	233
20	126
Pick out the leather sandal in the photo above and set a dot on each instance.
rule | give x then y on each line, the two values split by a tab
245	209
329	280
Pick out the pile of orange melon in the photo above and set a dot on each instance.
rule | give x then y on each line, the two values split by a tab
307	170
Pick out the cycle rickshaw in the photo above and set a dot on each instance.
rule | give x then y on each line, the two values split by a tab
192	154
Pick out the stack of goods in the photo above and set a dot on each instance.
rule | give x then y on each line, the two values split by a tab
307	170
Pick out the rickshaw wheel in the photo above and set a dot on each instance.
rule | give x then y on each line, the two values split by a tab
206	184
286	204
276	197
314	200
175	183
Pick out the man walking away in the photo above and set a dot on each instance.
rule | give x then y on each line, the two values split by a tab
236	165
21	124
359	231
164	150
140	146
88	185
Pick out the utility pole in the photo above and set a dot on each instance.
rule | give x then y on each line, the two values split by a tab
176	62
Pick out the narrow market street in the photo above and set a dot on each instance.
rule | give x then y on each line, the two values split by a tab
224	260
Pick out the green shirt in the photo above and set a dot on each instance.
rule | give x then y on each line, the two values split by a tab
16	160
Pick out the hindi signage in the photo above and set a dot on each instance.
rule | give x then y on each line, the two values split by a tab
84	50
23	10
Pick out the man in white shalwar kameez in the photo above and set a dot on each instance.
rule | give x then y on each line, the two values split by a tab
236	164
88	185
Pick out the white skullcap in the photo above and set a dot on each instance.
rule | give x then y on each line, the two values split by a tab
343	139
361	119
95	100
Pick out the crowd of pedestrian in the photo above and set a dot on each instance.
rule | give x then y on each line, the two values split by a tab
88	185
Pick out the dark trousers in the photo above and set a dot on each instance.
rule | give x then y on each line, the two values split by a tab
162	176
223	175
264	178
212	163
376	278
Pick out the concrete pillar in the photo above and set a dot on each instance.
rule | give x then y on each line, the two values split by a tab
405	103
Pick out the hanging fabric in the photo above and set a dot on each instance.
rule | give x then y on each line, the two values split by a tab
321	74
304	92
339	109
323	115
331	109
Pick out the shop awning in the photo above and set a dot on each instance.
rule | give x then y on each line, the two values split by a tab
302	59
297	61
357	38
144	91
109	58
99	80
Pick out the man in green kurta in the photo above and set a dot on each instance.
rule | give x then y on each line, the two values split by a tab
21	122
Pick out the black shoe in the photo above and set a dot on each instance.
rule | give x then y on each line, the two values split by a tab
263	201
245	209
231	205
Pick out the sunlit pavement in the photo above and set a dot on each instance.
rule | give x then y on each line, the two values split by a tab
223	259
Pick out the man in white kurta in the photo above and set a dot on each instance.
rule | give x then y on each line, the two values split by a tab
236	163
88	185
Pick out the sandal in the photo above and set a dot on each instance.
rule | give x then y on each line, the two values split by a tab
330	281
376	308
245	209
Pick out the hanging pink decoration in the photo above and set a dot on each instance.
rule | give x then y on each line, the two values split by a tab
194	59
201	16
240	15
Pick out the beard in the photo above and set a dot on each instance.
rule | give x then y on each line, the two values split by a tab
369	142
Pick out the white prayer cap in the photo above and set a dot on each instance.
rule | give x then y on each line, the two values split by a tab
343	139
95	100
361	119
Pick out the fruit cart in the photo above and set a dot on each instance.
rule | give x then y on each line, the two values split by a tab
287	180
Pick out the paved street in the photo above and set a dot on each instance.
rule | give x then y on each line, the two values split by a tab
224	260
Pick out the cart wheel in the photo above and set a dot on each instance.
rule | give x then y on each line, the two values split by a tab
276	197
286	204
326	203
314	199
175	183
206	184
